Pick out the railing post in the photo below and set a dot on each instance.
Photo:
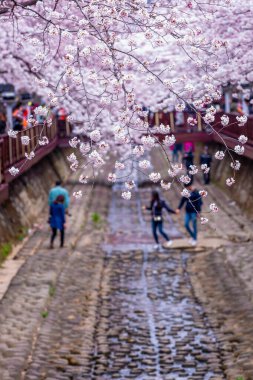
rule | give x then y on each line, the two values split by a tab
56	129
17	146
22	145
32	137
10	149
29	146
157	121
199	122
172	123
67	128
1	161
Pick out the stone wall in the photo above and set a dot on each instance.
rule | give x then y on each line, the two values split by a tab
241	192
28	195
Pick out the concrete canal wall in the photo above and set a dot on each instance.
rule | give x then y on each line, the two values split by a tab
28	195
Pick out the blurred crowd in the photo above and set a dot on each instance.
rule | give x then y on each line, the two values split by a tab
21	114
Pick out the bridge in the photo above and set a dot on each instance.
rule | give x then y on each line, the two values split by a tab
12	151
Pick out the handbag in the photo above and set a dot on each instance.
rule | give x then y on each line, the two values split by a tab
157	218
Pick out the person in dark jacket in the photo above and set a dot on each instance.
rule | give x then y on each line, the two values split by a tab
193	206
206	159
57	219
156	207
188	160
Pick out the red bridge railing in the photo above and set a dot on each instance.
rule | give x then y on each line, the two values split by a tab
12	151
202	132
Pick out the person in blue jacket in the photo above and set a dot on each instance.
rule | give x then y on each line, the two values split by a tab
193	206
156	207
57	219
58	190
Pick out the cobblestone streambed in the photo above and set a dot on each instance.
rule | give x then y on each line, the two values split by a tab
156	329
108	306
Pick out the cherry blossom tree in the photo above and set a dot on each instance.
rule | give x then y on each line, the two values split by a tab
107	61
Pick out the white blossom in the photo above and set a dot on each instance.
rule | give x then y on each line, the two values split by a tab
193	170
169	140
186	193
177	168
230	181
219	155
119	165
74	142
78	194
83	178
41	110
213	207
74	166
129	184
191	121
203	193
43	141
103	146
148	141
165	129
243	139
25	140
13	171
235	165
239	149
138	150
145	164
185	179
209	118
224	120
166	186
126	195
180	107
155	177
95	135
205	168
96	159
112	177
242	120
203	220
12	133
30	155
84	148
72	157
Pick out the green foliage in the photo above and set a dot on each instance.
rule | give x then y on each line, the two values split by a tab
240	378
51	290
22	233
44	314
5	249
96	218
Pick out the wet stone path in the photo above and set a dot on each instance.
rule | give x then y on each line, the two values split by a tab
152	325
108	306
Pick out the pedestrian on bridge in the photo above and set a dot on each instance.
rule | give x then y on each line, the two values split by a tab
206	159
193	205
156	207
188	158
56	191
57	219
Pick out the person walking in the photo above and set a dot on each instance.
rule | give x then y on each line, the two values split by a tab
206	159
188	159
177	150
55	192
156	207
193	205
57	219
